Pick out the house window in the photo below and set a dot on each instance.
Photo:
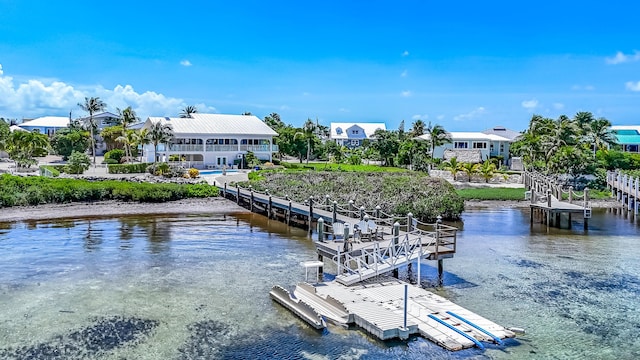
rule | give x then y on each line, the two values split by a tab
356	132
501	148
355	142
461	145
479	145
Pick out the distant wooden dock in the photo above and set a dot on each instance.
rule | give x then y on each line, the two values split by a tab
625	189
548	204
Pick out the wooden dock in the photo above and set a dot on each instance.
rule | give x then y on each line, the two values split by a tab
625	189
548	204
389	308
397	241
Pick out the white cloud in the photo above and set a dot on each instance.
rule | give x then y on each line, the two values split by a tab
633	86
470	115
404	73
420	117
406	93
405	53
530	104
558	106
344	110
35	98
621	57
440	117
585	87
185	62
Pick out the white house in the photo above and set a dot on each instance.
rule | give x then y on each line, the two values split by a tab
472	146
352	134
213	140
46	125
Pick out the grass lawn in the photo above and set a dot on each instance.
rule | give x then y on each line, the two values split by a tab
492	194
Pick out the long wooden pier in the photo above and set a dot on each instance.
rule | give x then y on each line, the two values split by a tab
397	241
625	189
548	204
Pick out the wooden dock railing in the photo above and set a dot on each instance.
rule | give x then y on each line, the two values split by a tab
625	189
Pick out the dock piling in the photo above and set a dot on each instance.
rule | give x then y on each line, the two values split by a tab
321	229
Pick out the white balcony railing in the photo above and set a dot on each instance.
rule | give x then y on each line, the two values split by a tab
185	147
221	148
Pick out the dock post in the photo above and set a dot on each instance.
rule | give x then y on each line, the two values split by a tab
396	240
549	198
440	272
310	214
419	262
238	194
378	208
409	222
327	199
361	212
570	194
270	211
321	229
251	201
406	300
335	212
346	236
351	208
224	191
320	268
289	213
635	203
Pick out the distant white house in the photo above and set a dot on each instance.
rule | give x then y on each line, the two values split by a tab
352	134
102	120
213	140
472	146
46	125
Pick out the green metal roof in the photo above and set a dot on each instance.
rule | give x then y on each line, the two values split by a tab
628	139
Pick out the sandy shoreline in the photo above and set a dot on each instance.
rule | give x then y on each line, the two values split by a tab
187	206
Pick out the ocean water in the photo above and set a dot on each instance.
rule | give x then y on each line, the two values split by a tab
196	287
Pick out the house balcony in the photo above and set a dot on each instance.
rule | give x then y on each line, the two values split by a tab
185	147
259	148
221	148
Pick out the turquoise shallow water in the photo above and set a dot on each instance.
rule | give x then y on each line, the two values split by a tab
196	287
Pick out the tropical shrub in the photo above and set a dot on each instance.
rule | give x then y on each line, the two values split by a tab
194	173
127	168
78	163
115	154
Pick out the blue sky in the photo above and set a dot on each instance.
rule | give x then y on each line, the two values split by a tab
465	65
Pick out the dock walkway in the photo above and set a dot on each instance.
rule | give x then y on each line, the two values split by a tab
626	190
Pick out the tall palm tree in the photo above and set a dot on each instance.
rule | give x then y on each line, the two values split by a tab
600	135
126	117
142	138
438	136
188	110
23	146
417	128
308	133
470	169
92	105
159	133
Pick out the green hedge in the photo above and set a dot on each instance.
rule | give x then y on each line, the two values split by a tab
127	168
54	172
36	190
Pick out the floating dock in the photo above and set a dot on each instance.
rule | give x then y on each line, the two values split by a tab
390	308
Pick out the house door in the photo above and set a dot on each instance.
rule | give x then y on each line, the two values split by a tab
222	161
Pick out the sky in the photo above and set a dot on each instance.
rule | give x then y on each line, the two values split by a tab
466	65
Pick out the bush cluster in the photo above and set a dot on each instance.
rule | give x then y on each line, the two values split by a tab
127	168
395	193
36	190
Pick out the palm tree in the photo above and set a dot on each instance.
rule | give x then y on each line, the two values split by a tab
417	128
23	146
92	105
188	110
453	166
487	169
438	136
469	169
141	137
126	117
600	135
308	133
159	133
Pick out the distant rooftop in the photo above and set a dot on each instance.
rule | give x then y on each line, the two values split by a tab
216	124
503	131
47	121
